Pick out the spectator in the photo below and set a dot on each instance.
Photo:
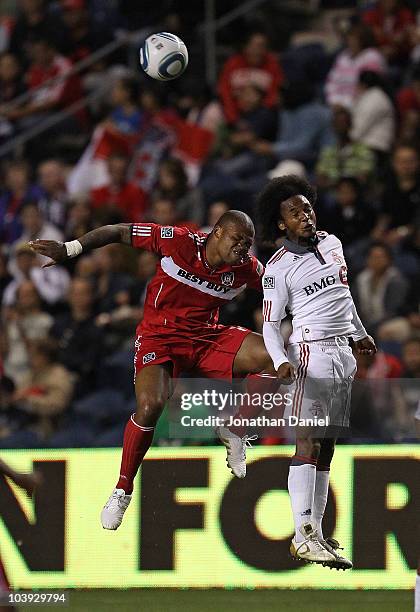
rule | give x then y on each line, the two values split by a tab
411	358
9	419
255	121
79	221
34	227
126	116
408	100
373	115
380	288
350	217
47	64
407	325
110	279
24	321
121	199
345	157
19	191
33	22
401	196
79	339
53	202
81	40
163	212
5	276
304	127
214	212
11	86
358	55
46	391
253	65
146	268
51	283
173	185
197	106
391	23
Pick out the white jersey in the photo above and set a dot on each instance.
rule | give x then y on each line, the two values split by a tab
311	285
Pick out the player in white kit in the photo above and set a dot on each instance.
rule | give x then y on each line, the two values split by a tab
307	278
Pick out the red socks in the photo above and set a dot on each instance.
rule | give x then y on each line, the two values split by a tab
137	440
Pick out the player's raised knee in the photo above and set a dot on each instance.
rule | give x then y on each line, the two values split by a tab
149	408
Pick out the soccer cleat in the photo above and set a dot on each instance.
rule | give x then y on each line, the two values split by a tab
310	550
340	562
236	450
113	511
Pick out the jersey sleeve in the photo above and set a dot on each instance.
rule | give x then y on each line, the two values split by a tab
256	275
160	239
276	295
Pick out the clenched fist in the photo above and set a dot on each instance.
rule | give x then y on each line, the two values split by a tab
286	373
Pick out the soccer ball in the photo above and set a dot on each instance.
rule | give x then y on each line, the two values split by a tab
163	56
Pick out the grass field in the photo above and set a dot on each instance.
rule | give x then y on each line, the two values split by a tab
189	600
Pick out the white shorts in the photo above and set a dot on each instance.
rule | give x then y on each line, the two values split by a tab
325	371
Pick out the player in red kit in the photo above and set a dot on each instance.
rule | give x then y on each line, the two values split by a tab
197	273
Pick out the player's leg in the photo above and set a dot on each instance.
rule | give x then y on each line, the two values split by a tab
153	388
322	480
253	361
252	357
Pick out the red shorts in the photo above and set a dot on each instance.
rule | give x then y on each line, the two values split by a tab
208	352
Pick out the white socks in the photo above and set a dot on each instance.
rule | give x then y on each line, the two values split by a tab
417	595
320	500
301	485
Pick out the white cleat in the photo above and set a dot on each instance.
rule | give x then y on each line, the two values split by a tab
113	511
340	562
236	450
310	550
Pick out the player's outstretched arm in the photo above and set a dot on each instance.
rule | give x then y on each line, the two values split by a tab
61	251
28	482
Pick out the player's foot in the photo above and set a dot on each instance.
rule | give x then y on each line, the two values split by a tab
113	511
310	550
340	562
236	450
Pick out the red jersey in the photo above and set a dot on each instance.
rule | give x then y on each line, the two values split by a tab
186	292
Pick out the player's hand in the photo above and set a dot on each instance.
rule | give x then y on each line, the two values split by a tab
50	248
28	482
365	346
286	373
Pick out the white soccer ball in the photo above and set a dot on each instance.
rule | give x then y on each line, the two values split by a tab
163	56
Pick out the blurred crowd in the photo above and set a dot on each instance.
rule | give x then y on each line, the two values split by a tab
337	100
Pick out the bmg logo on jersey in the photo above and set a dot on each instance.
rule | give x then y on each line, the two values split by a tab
269	282
149	357
326	281
166	232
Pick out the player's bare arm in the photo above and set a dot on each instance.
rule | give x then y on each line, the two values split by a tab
102	236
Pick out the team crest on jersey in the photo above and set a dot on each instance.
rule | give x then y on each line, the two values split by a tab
337	258
269	282
316	409
166	232
227	279
149	357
